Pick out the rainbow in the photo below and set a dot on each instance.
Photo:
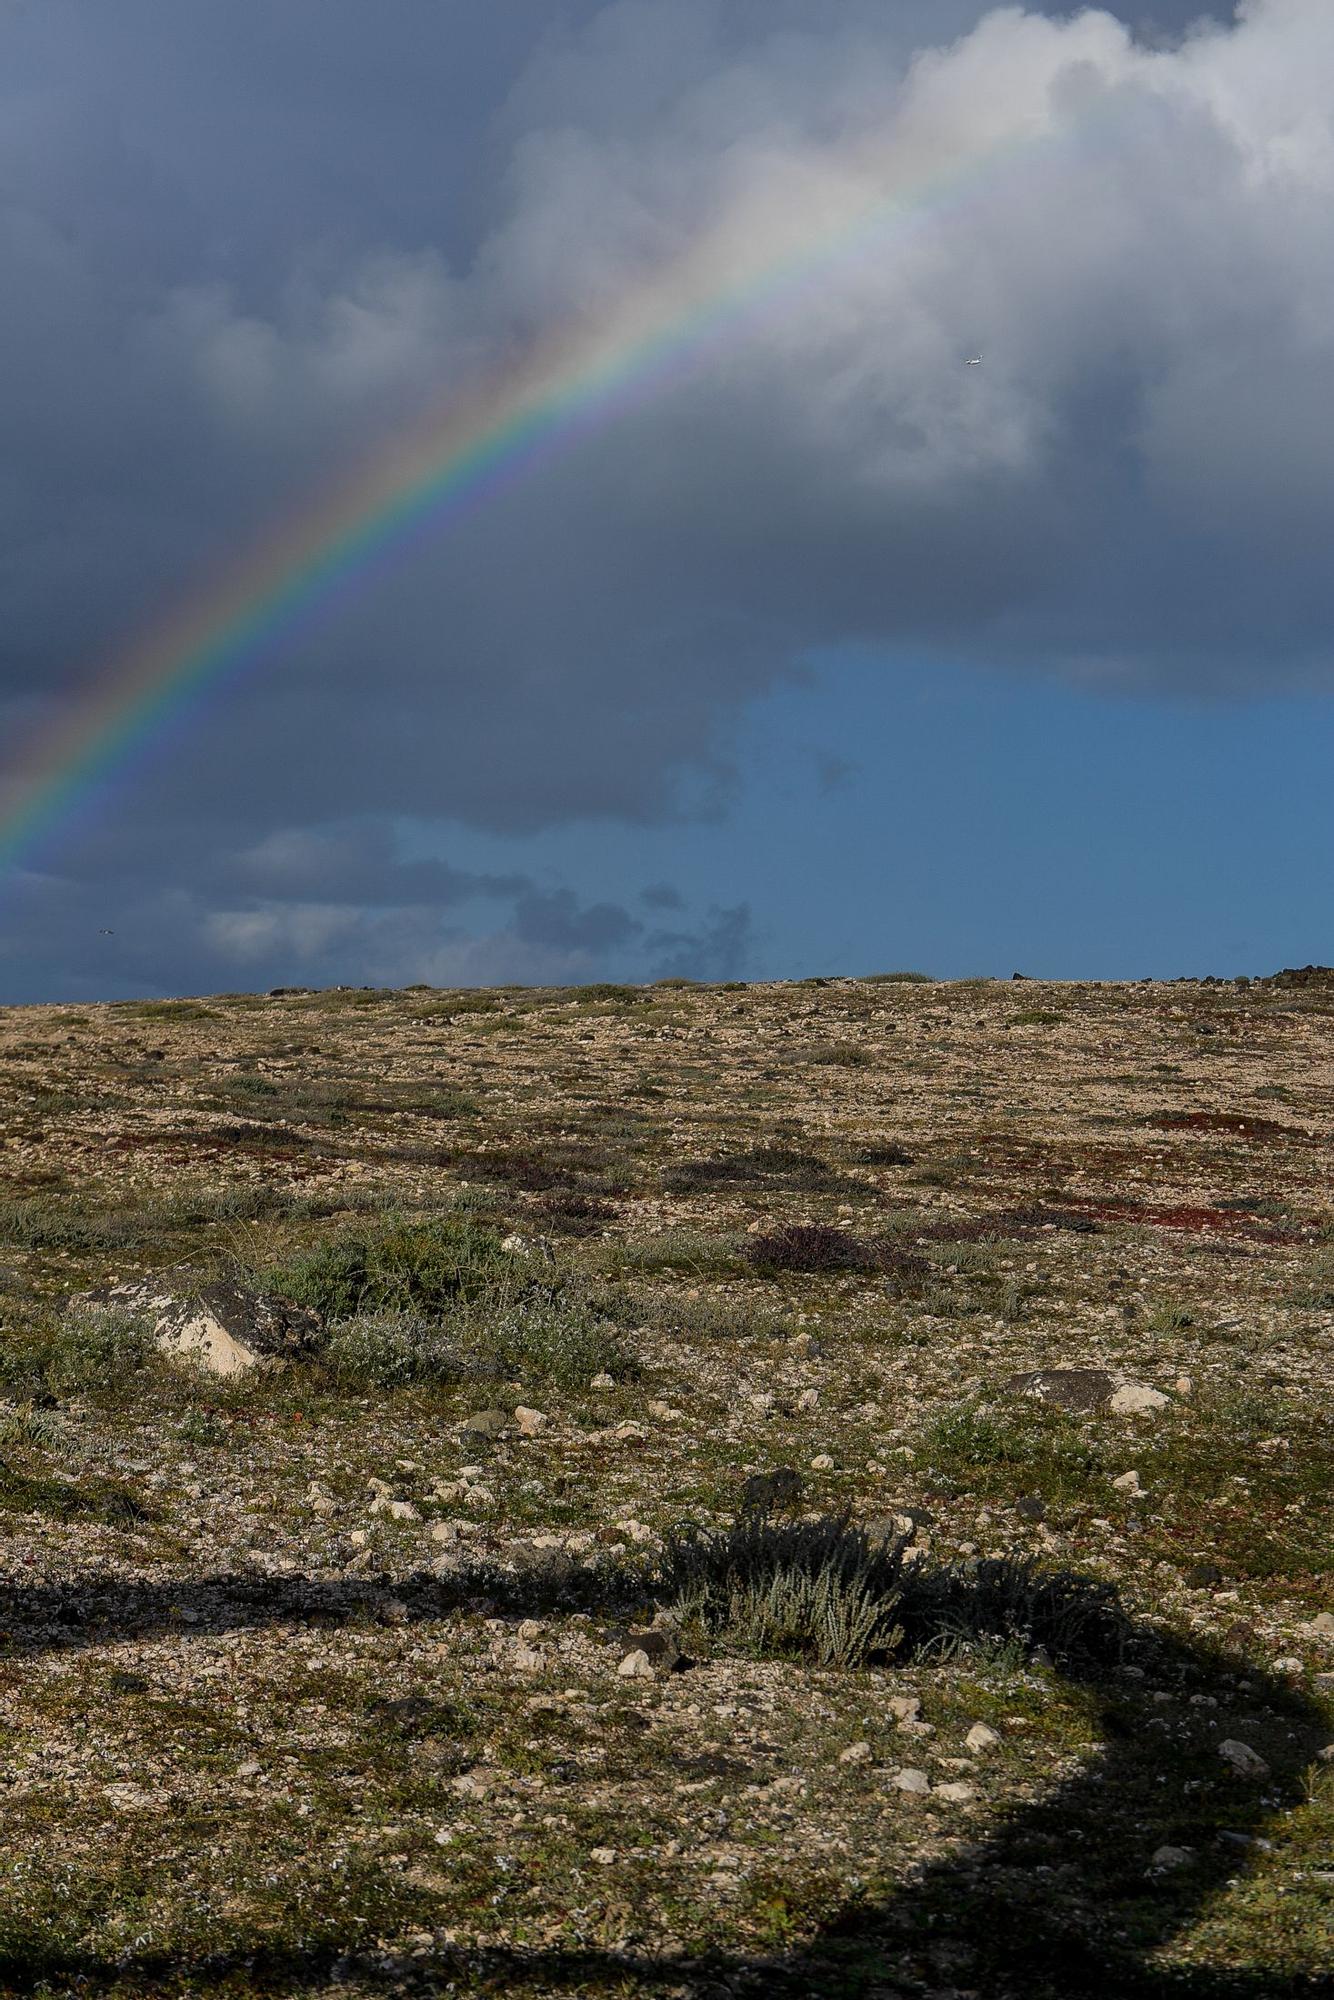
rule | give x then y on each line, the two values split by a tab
706	299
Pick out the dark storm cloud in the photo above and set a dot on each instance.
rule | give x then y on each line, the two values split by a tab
238	245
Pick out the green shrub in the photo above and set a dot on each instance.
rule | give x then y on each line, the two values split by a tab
1006	1452
802	1589
86	1348
1000	1604
425	1267
548	1333
823	1590
691	1250
391	1350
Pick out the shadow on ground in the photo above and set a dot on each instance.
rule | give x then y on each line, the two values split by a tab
1051	1902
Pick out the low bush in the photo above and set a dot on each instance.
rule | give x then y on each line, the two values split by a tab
1004	1453
999	1604
807	1246
796	1590
84	1349
424	1267
391	1350
704	1317
690	1250
548	1333
823	1590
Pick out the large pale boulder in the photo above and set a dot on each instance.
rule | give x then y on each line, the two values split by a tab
213	1323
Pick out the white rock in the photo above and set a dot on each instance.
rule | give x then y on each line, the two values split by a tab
443	1531
402	1510
911	1780
1321	1626
529	1421
1135	1399
473	1784
958	1792
529	1659
604	1856
808	1399
905	1707
856	1753
1247	1763
1128	1482
603	1381
212	1324
1289	1665
636	1666
982	1737
531	1629
822	1462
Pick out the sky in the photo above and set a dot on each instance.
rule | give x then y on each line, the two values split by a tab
821	651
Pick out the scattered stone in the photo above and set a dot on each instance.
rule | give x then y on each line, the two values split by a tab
1289	1665
1129	1482
856	1753
529	1246
604	1856
766	1492
474	1784
822	1462
905	1707
982	1737
529	1421
603	1381
808	1399
657	1643
531	1629
210	1322
1031	1508
636	1666
1321	1626
883	1530
485	1424
1203	1576
958	1791
1136	1399
1076	1389
529	1659
1247	1763
910	1779
1164	1860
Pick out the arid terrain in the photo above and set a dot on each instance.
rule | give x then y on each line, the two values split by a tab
769	1648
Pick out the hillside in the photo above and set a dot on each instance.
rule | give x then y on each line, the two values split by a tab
336	1675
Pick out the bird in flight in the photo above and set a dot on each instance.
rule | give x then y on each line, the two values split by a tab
106	934
973	361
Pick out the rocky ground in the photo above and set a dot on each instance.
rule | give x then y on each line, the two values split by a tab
367	1669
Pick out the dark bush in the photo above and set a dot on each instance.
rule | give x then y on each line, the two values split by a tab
808	1246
